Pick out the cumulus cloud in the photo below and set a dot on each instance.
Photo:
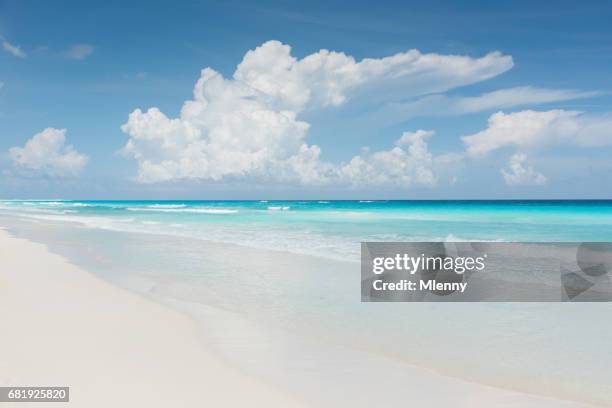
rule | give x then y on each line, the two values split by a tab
15	50
328	78
46	153
249	126
534	129
79	51
519	173
408	163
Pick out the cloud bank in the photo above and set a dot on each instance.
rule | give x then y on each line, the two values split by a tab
249	126
46	153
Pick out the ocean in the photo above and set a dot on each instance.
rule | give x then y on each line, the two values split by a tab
275	286
334	229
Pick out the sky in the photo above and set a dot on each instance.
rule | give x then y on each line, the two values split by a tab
305	100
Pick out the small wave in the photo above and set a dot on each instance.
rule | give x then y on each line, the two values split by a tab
323	202
35	210
279	208
263	201
166	206
63	204
216	211
186	210
454	238
367	201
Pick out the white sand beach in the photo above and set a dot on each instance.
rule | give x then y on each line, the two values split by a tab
63	326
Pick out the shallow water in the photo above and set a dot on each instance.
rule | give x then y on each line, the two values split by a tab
548	349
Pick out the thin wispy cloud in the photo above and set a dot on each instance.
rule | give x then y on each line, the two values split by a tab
446	105
79	51
15	50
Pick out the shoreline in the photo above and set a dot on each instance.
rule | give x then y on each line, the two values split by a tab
67	327
429	382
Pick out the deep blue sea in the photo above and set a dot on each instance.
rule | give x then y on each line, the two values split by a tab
335	228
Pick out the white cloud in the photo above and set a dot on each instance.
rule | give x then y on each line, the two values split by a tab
79	51
519	173
328	78
444	105
47	153
521	95
249	126
12	49
408	163
533	129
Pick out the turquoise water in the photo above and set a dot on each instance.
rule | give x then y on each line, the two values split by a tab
554	349
334	228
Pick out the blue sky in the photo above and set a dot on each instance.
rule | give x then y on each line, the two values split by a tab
86	67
